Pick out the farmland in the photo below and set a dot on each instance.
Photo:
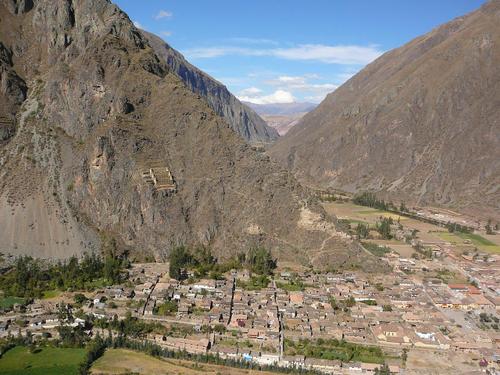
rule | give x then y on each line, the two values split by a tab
54	361
119	361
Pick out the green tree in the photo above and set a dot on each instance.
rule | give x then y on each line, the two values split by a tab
383	370
489	229
179	258
79	299
362	230
260	261
384	228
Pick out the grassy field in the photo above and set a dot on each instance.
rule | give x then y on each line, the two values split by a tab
334	350
427	232
10	301
358	214
120	361
477	240
50	294
53	361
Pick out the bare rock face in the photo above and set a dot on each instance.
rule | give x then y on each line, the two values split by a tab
19	6
12	93
103	111
421	123
242	118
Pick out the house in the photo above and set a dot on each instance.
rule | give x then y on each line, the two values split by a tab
225	352
208	285
391	333
296	361
200	346
296	298
150	306
323	365
267	359
4	325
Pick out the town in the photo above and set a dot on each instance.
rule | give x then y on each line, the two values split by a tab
436	308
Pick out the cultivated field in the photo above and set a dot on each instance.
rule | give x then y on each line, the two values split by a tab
121	361
426	232
53	361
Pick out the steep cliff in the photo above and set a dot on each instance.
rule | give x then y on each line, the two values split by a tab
242	118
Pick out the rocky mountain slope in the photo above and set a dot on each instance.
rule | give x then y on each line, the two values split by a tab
421	123
91	110
242	119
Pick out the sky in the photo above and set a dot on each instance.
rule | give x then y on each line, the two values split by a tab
283	51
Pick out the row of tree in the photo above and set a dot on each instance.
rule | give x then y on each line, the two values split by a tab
200	259
30	277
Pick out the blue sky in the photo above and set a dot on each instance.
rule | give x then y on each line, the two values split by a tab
271	51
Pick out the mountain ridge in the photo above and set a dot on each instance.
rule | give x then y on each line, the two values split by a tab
397	127
242	118
101	110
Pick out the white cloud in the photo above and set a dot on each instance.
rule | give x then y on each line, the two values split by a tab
345	55
244	40
330	54
316	90
251	91
165	33
138	25
163	14
211	52
279	96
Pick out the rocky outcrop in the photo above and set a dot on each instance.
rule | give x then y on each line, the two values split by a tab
242	119
12	93
102	109
420	124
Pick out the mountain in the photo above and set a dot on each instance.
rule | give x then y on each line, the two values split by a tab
242	119
283	123
104	145
421	123
282	108
282	117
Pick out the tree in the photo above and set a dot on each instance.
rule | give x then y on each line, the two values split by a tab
404	356
350	302
260	261
333	303
383	370
179	258
79	299
362	230
403	207
384	228
489	229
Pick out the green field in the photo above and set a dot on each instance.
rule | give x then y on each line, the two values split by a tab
123	361
50	294
53	361
10	301
478	241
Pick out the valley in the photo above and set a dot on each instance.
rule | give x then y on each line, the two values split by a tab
194	210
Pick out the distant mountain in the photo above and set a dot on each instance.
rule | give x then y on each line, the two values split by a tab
283	123
282	117
421	123
281	108
242	119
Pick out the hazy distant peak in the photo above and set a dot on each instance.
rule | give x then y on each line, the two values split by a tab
282	108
